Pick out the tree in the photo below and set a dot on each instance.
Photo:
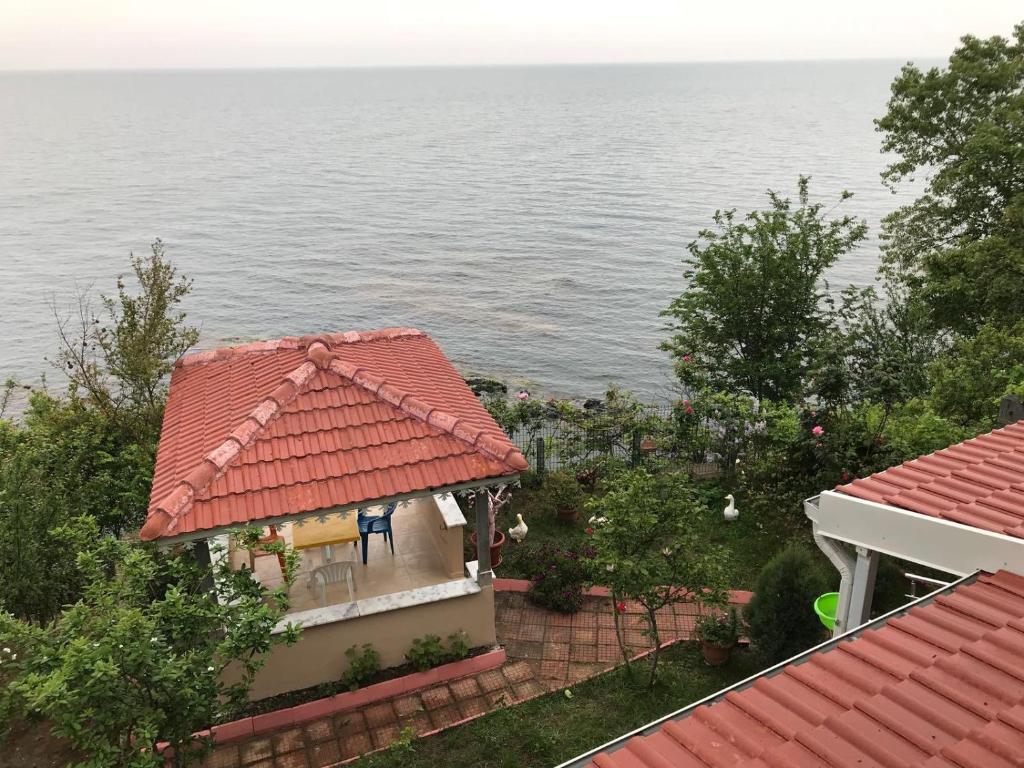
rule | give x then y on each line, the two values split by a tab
648	548
120	362
779	616
969	380
148	654
960	246
755	304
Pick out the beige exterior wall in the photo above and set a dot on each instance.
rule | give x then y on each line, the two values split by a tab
448	540
319	655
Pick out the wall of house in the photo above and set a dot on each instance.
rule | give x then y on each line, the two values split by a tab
446	526
319	655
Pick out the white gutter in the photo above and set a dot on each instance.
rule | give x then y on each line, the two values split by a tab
844	562
930	541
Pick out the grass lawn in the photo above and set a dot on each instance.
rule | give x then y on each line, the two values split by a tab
553	728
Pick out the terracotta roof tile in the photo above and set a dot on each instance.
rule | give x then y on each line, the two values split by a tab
293	425
979	482
941	685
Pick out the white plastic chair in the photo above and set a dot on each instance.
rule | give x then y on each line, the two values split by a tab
332	573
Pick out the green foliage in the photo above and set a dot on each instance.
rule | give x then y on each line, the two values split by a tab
648	548
428	651
960	245
363	665
119	362
780	617
719	628
969	380
562	493
560	578
754	307
150	652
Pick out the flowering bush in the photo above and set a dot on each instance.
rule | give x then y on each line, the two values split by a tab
561	577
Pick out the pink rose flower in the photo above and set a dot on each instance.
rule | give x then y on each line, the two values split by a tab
818	430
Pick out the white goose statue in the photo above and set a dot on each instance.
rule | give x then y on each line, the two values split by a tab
730	512
518	531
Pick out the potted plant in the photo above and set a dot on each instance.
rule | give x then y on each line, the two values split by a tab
495	501
718	634
564	495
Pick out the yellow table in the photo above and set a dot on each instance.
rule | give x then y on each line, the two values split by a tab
334	530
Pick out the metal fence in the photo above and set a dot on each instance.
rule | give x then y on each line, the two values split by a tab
559	443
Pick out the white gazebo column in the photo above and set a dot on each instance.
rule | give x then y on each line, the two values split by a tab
863	588
484	576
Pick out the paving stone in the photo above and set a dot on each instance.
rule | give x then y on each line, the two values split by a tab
558	634
288	741
223	757
445	716
534	632
384	735
435	698
583	635
466	688
408	705
499	698
554	670
560	620
528	650
527	690
418	721
325	753
518	671
350	722
556	651
609	654
255	750
492	680
584	653
354	744
473	707
380	714
295	759
319	730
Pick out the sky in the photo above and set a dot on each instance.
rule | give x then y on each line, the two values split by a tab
163	34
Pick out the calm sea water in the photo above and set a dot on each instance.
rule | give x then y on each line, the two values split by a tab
533	220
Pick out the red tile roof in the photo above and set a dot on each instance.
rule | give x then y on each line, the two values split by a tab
939	686
979	482
302	424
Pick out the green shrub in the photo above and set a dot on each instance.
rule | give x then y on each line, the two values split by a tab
364	663
780	617
563	494
428	651
560	578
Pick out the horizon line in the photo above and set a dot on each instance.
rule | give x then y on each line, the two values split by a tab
496	65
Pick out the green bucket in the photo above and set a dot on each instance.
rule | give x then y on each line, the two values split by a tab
825	607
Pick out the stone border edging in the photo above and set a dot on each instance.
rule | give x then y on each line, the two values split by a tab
341	702
736	596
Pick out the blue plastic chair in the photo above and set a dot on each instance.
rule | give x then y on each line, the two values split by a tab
377	524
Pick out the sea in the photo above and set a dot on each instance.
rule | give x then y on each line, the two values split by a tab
533	220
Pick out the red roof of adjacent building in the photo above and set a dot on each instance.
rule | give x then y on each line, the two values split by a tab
295	425
939	686
979	482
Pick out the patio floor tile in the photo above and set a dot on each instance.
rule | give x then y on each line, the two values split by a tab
419	722
295	759
384	735
223	757
491	680
445	716
473	707
466	688
408	705
348	723
518	671
380	714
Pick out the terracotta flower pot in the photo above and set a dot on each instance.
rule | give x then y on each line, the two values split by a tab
568	515
648	444
496	547
716	655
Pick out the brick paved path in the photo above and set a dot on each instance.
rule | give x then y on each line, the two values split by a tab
546	651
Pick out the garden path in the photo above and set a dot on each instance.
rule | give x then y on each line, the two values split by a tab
546	651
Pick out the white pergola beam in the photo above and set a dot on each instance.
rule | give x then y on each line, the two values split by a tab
929	541
864	574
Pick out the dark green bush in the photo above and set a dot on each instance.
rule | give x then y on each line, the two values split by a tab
364	663
780	618
428	651
562	493
559	581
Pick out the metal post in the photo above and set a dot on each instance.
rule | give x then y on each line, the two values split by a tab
634	458
541	468
484	575
201	552
863	588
